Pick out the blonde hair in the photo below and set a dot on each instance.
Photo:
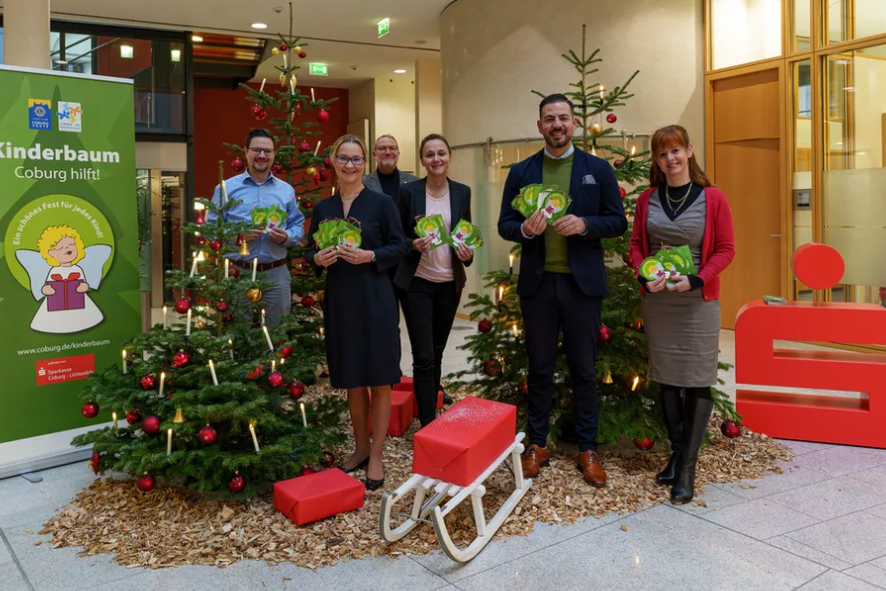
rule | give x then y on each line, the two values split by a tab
347	139
51	237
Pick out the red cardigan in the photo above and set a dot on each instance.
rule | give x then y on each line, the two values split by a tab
717	247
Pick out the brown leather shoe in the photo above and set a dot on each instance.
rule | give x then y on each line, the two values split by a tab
533	459
589	464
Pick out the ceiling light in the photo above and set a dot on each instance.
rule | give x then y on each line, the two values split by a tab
61	62
259	26
841	62
196	38
849	89
176	55
126	51
399	71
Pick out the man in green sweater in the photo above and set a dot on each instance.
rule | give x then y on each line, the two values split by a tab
563	278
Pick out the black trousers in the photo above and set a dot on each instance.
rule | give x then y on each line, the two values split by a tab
559	303
429	309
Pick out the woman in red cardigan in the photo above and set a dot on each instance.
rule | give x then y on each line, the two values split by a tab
682	318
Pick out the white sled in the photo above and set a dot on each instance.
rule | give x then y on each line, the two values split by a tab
431	492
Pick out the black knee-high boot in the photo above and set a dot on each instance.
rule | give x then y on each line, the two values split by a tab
672	409
697	412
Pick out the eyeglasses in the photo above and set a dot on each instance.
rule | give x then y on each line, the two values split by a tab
260	151
356	160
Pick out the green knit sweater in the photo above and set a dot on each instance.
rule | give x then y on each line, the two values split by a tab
556	172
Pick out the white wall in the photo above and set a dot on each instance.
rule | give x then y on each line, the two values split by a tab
395	114
428	100
745	31
361	105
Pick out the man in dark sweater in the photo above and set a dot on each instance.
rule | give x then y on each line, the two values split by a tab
387	178
563	279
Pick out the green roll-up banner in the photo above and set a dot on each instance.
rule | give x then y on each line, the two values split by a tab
69	280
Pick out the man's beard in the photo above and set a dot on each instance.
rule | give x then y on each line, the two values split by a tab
558	143
260	167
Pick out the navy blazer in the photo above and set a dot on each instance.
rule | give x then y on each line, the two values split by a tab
595	198
411	203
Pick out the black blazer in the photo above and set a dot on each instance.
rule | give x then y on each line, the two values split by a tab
595	198
411	204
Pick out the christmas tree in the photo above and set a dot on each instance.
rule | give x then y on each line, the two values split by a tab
213	398
498	351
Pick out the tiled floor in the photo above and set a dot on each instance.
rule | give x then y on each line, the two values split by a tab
820	526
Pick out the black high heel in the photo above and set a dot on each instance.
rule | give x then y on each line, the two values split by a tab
372	484
361	466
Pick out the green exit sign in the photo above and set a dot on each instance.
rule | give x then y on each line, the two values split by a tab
319	70
384	27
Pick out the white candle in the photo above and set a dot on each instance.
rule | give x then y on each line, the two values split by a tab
602	88
262	89
511	263
162	381
313	100
231	346
227	267
268	338
168	441
282	360
188	327
212	371
263	317
114	418
223	196
304	419
124	361
254	267
322	332
317	149
254	438
273	365
193	267
164	318
292	85
285	62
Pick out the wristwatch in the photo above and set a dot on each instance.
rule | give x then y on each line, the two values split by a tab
372	260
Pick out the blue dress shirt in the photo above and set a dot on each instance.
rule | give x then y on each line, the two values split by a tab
252	194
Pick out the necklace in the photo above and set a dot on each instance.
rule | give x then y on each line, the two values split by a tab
678	202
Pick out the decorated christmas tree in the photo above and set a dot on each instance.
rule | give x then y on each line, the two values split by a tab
212	397
498	352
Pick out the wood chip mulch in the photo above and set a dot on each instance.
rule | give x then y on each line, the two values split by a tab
171	527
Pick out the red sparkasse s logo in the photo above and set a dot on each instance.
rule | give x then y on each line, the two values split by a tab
65	369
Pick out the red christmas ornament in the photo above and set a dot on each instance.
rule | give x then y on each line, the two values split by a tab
222	306
628	259
524	387
277	169
327	164
234	271
605	333
207	435
238	165
484	326
275	380
619	162
90	410
322	116
181	359
215	245
302	54
182	305
611	118
236	484
93	463
622	192
256	109
324	175
133	416
296	390
239	241
306	471
730	429
307	302
149	382
227	318
636	325
256	372
644	444
492	368
328	459
283	47
305	146
285	352
307	204
199	216
151	425
146	482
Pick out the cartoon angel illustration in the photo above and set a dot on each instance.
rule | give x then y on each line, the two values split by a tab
61	273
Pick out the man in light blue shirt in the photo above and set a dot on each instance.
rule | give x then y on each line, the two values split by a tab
257	187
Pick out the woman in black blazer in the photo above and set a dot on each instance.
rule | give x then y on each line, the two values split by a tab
431	281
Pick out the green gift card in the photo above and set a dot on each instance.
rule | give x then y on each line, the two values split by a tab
465	231
351	237
275	216
549	198
259	216
668	262
434	227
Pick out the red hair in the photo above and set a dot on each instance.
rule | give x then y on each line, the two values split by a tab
665	139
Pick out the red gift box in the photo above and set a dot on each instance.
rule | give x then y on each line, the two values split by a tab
462	442
402	402
315	496
66	296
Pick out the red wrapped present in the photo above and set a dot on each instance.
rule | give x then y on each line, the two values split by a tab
465	440
415	403
402	402
315	496
66	296
405	384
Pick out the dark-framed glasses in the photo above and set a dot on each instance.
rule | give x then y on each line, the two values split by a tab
356	160
260	151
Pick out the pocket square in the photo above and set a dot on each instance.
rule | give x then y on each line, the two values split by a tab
588	179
